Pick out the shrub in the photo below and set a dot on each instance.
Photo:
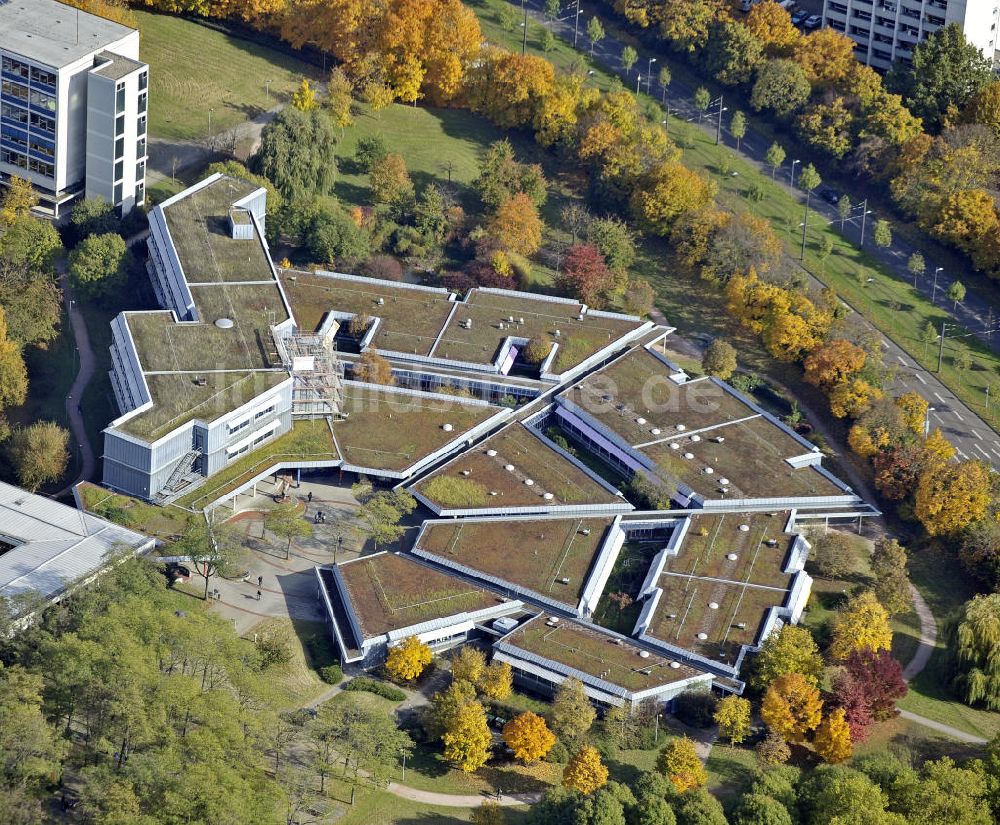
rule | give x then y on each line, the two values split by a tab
696	708
647	494
537	350
369	685
559	754
384	267
455	492
331	674
358	325
273	651
834	554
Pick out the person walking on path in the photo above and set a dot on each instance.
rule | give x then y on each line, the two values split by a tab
258	595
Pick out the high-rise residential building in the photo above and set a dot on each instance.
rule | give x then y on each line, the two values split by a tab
73	104
888	30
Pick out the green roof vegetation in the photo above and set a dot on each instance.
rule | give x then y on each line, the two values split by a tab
598	655
390	591
532	460
308	440
536	554
449	491
179	398
392	431
160	522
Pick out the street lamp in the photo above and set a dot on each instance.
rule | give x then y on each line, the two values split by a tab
403	753
267	91
210	110
927	421
718	125
649	72
934	288
791	176
638	80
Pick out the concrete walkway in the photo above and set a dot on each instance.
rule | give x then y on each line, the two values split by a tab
948	730
928	637
447	800
74	409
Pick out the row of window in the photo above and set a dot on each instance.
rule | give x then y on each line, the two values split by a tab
20	159
250	445
18	91
246	422
24	118
26	72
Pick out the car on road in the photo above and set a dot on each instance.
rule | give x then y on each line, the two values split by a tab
831	196
813	21
799	17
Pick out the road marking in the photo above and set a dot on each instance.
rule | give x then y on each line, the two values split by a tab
960	453
977	435
939	398
919	377
955	413
994	450
901	360
981	450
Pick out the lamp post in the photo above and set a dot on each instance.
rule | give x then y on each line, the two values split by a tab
267	91
210	110
576	24
927	417
649	72
403	753
934	288
791	175
718	124
638	80
865	212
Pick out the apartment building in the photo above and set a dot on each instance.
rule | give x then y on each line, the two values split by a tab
73	104
888	30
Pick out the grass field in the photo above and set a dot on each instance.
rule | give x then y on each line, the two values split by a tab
194	69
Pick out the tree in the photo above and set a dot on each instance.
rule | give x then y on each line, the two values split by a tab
30	748
809	179
381	512
733	717
781	87
638	298
585	772
835	554
732	53
444	707
840	795
286	522
304	98
517	226
489	812
18	201
93	216
680	763
372	368
888	566
13	372
212	548
792	707
501	177
833	738
551	9
572	713
329	233
833	363
975	644
916	266
827	126
772	750
616	241
946	73
549	41
738	127
595	33
496	681
669	191
370	150
297	153
701	100
340	98
575	219
952	496
537	349
882	679
882	235
407	660
980	551
390	181
754	808
584	274
719	359
851	696
467	664
629	56
956	293
467	739
772	26
791	649
98	263
775	157
528	736
861	624
507	17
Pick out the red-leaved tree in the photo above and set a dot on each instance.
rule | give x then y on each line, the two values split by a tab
851	695
584	275
882	677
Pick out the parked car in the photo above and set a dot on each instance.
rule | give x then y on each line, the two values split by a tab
799	17
813	21
831	196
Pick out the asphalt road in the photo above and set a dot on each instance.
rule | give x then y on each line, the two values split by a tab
972	437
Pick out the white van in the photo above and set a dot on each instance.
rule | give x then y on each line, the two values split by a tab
788	5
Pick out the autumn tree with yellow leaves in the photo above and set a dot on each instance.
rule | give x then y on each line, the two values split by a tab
528	736
732	715
407	660
792	707
862	624
680	763
585	772
467	739
833	738
496	681
952	496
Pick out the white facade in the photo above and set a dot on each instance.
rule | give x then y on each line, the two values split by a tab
71	82
888	30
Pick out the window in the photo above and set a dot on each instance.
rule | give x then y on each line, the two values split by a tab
42	149
838	7
119	169
140	170
881	55
43	77
43	101
142	102
835	24
15	67
118	194
42	168
120	98
40	123
140	148
934	20
119	125
143	81
263	413
12	157
885	21
18	139
119	148
141	125
862	15
15	114
18	91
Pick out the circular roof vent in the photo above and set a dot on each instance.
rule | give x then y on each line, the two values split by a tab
447	427
713	605
732	556
744	528
224	323
529	483
509	468
688	456
675	665
702	636
491	453
723	481
643	654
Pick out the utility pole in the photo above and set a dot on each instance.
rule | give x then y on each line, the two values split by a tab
791	175
576	24
718	125
638	80
864	219
944	329
524	40
934	288
649	72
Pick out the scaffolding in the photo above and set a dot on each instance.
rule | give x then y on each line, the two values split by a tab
317	372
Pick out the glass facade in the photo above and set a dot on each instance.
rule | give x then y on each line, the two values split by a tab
27	116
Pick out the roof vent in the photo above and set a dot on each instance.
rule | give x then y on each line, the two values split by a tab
732	556
744	528
681	428
564	580
548	496
466	472
655	431
491	453
528	482
643	654
723	481
224	323
713	605
688	456
640	421
674	445
675	665
199	381
509	468
696	438
447	427
772	542
709	471
702	636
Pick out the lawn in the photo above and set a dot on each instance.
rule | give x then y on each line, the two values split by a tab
730	770
160	522
626	577
195	70
296	682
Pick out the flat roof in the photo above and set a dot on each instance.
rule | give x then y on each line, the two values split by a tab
596	654
743	588
389	591
392	430
118	67
536	553
54	545
481	475
53	33
430	323
701	433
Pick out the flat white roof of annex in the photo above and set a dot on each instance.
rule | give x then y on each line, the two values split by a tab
54	34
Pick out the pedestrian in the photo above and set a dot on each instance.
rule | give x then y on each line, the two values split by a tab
310	496
260	581
258	595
